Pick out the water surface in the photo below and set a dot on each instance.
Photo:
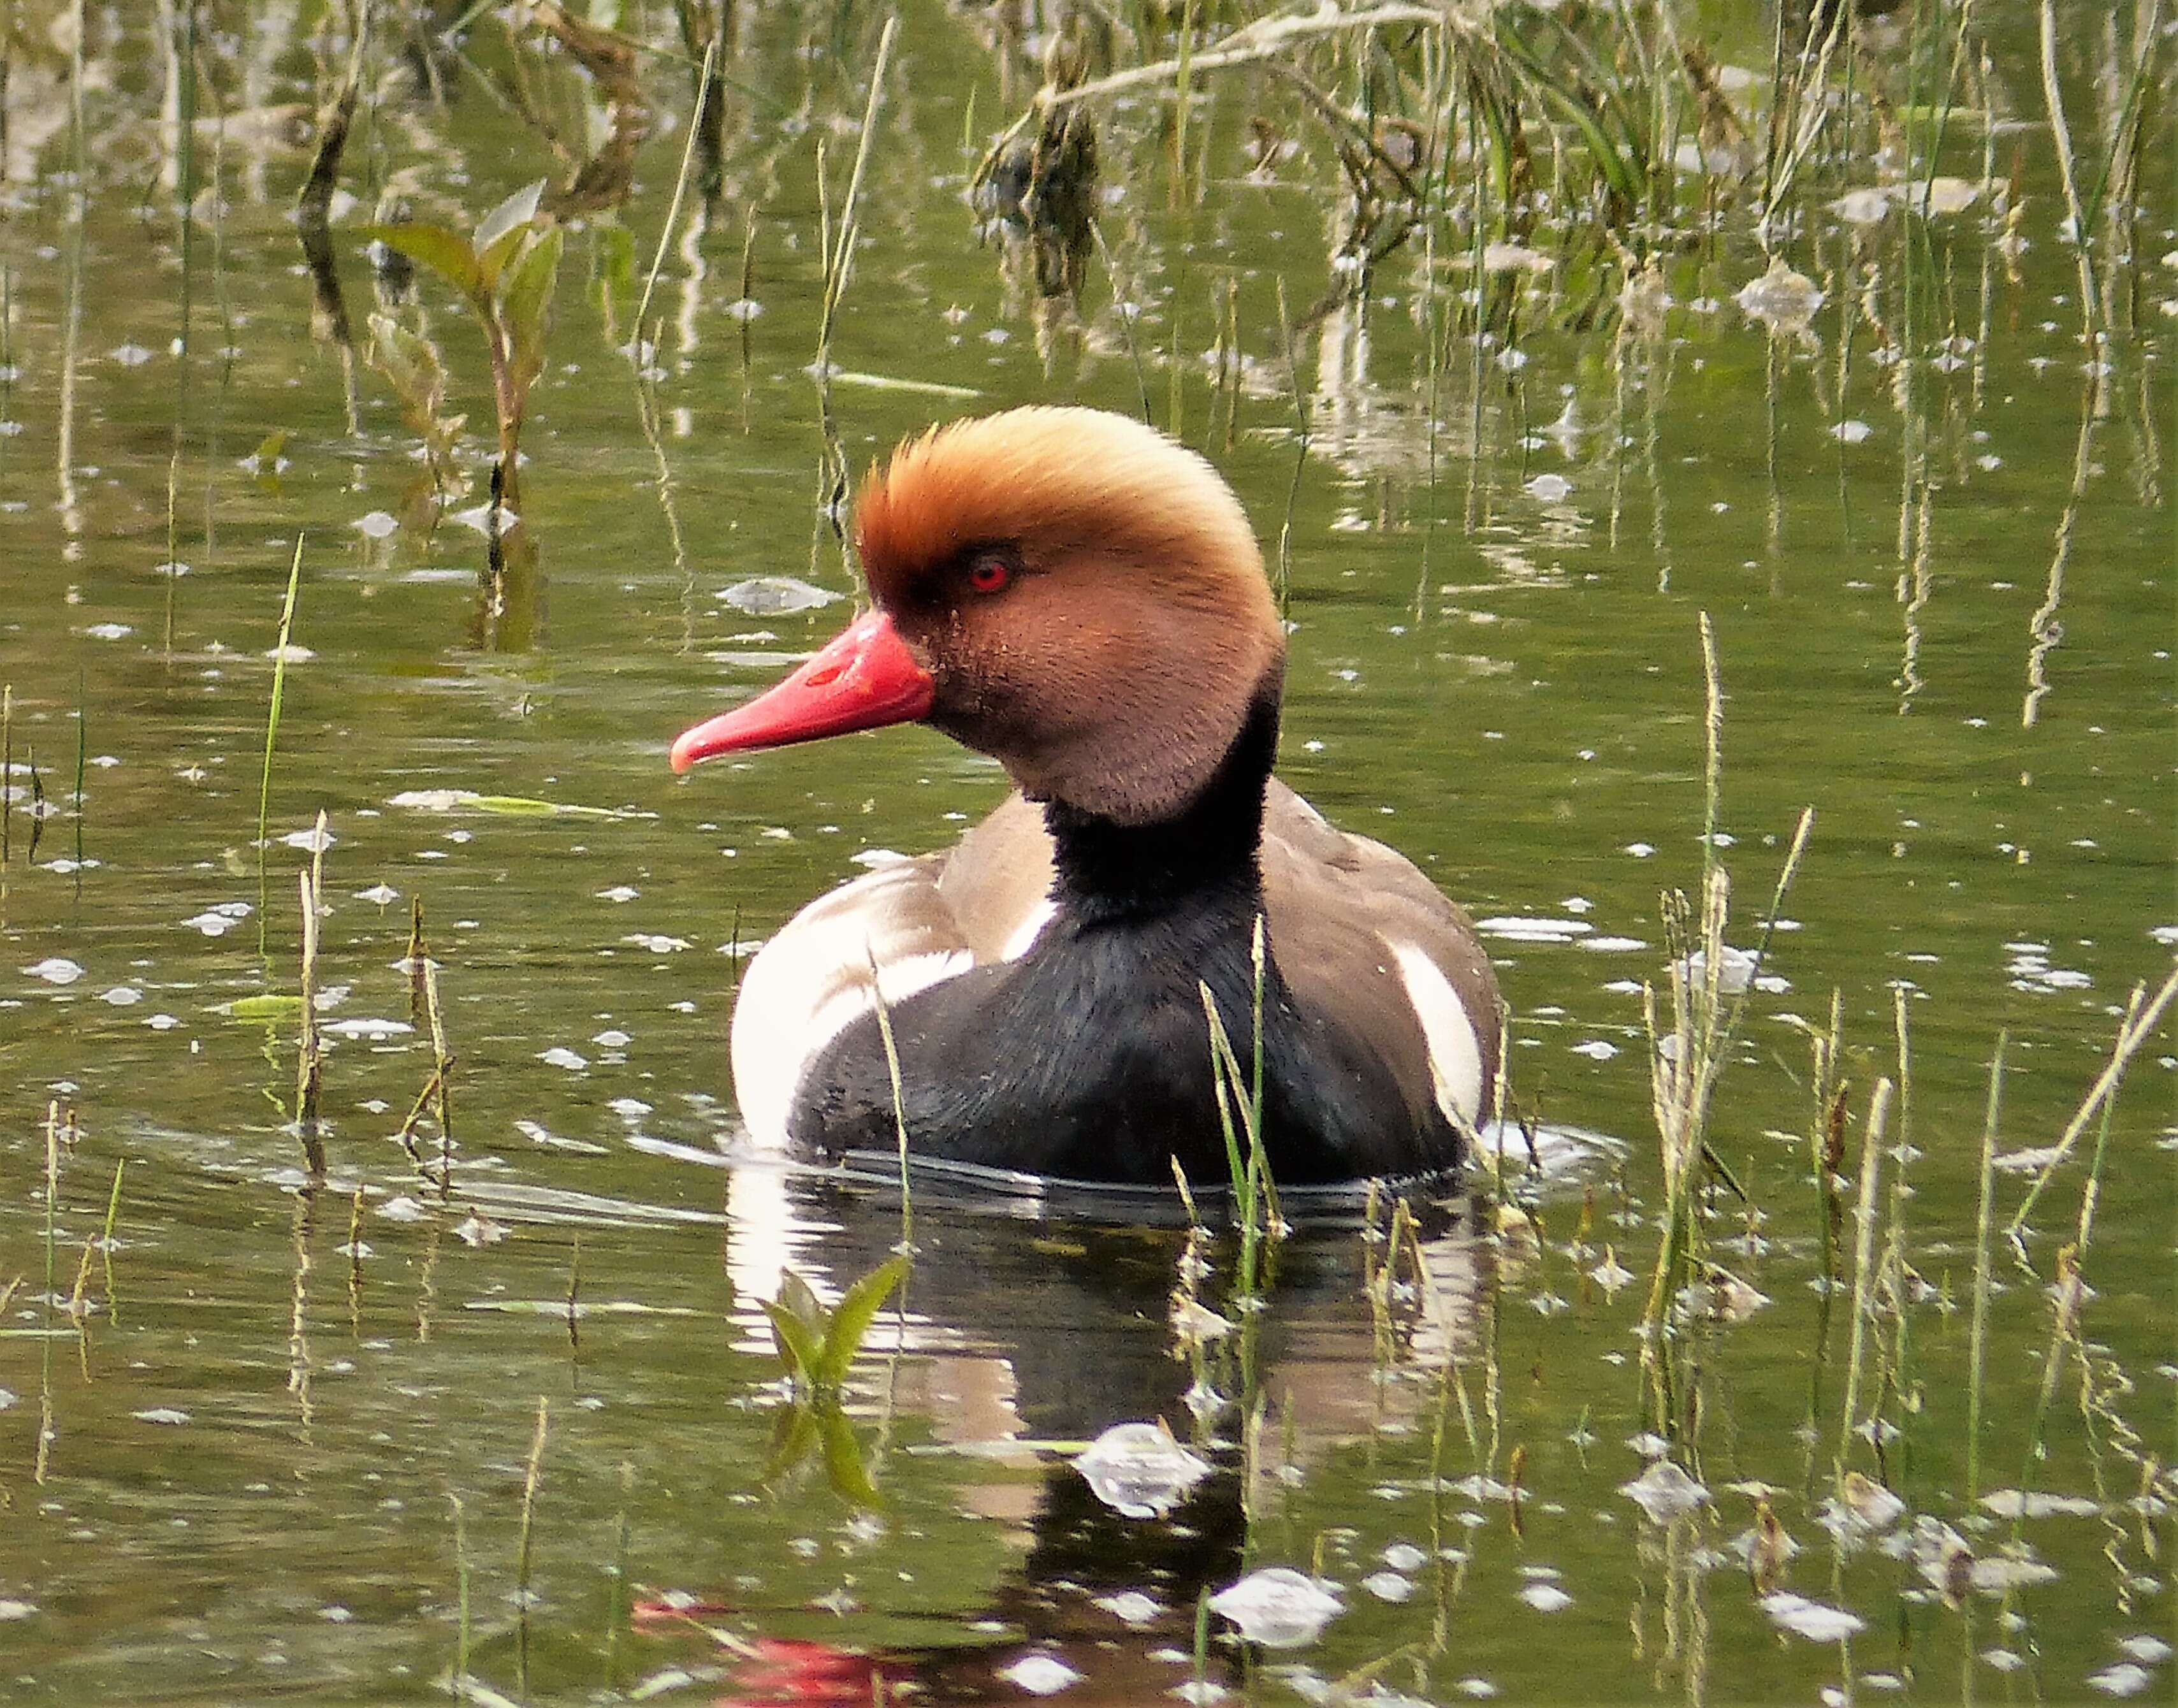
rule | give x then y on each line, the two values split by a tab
266	1442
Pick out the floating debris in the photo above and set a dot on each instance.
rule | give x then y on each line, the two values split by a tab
2017	1503
479	1230
1131	1606
56	969
1278	1607
1521	928
1943	1558
1514	258
1865	1505
2003	1572
479	517
1196	1324
171	1416
1610	1274
1731	1300
1138	1470
775	595
1664	1491
1781	299
1546	1598
375	1031
1040	1675
1816	1621
1735	969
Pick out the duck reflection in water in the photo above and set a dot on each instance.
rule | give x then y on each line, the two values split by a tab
1020	1342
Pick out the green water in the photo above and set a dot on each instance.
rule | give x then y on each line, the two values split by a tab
1941	584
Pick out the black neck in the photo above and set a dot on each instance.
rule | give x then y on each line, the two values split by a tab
1108	870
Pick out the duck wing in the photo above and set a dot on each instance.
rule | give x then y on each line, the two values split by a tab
1362	937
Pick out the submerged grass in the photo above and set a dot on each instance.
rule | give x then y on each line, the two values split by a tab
1685	1062
309	1057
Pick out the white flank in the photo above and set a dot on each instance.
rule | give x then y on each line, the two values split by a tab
1025	933
1455	1055
812	981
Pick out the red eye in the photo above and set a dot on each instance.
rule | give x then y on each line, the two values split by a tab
989	574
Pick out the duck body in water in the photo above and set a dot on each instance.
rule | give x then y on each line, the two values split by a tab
1082	599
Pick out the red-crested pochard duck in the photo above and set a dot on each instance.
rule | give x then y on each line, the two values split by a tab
1077	595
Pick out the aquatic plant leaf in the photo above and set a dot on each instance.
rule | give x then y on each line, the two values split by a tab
526	304
269	1007
1618	171
888	382
446	253
844	1466
797	1318
794	1437
499	233
409	363
851	1320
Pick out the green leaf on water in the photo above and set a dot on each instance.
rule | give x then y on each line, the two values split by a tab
269	450
797	1430
797	1318
500	234
526	304
886	382
529	807
843	1468
446	253
410	363
267	1007
851	1321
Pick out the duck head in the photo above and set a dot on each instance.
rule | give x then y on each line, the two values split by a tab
1064	589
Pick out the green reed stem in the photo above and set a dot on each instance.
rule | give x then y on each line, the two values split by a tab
2134	1031
7	772
1863	1252
272	727
679	190
841	253
530	1481
105	1234
82	747
461	1593
2061	135
1978	1343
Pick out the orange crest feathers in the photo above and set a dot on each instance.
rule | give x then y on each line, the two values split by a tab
1062	479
